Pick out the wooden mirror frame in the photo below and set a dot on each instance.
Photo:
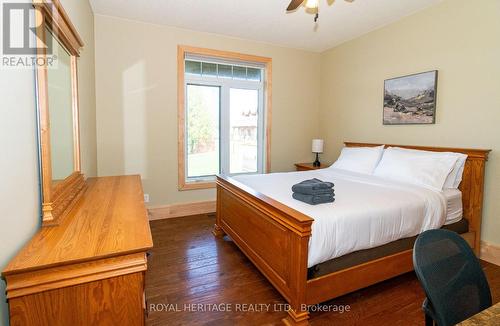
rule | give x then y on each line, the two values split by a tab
57	200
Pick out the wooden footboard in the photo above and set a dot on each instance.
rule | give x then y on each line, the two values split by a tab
276	239
273	236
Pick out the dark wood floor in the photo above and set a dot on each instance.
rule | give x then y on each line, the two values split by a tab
191	272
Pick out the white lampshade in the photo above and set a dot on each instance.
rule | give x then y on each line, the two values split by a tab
317	145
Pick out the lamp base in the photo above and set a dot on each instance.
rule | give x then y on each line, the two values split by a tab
317	163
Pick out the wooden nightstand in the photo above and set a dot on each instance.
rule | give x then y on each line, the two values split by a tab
309	166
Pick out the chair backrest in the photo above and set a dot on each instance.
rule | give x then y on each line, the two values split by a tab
451	276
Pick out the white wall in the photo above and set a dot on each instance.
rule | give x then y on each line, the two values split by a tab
19	190
459	38
19	193
136	82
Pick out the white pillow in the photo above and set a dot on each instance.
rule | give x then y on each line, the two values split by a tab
359	159
455	177
417	167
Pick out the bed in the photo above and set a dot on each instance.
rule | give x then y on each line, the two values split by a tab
308	265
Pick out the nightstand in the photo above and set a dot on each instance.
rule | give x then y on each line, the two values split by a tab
309	166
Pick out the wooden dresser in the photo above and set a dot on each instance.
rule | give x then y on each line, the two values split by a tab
89	269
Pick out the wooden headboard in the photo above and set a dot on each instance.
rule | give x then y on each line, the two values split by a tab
472	185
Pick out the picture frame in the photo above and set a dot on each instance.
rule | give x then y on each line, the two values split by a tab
410	99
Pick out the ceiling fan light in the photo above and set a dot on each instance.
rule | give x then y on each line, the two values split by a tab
312	4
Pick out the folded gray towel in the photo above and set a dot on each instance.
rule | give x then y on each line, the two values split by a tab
328	191
313	199
313	187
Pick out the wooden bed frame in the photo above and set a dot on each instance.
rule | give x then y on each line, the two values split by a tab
275	238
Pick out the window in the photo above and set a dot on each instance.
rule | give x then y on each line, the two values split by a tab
224	110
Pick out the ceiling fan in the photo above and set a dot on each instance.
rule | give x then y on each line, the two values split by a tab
310	4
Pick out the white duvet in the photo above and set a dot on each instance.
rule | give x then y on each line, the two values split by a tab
368	211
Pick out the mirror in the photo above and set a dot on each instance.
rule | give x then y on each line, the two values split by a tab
60	113
62	182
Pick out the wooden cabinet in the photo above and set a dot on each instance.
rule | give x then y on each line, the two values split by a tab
89	269
309	166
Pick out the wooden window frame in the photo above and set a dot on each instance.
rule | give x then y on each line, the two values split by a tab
182	50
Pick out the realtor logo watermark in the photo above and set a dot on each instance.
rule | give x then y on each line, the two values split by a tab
20	42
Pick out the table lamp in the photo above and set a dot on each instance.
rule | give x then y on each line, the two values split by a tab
317	147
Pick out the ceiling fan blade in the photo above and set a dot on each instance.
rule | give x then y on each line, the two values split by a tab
349	0
294	4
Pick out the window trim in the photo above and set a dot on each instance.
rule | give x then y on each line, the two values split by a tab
182	50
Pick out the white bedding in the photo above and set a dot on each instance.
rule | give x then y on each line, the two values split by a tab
368	211
454	207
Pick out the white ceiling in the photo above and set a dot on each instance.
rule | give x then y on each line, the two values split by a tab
266	20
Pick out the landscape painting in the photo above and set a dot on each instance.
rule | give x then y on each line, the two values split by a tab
410	99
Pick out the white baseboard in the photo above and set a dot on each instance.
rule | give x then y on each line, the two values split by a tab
490	252
178	210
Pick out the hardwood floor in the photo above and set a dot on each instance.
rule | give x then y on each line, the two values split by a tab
193	277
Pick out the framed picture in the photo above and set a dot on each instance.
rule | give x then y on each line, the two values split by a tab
410	99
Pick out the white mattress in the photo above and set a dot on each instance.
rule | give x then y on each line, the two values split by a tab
368	211
454	208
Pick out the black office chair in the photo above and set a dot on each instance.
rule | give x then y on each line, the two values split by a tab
452	278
